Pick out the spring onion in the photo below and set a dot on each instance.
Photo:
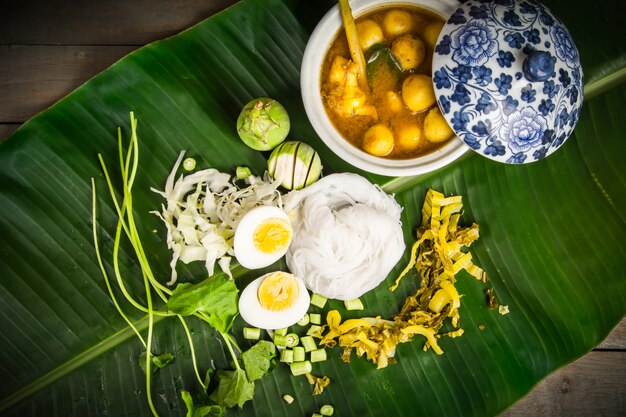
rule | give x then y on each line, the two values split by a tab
318	355
301	368
286	355
298	354
251	333
308	343
355	304
281	332
280	340
189	164
288	398
316	318
304	320
242	173
318	300
315	331
292	340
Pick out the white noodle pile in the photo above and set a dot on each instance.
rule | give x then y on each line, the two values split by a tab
347	235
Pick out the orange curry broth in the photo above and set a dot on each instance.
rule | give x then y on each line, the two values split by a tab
353	128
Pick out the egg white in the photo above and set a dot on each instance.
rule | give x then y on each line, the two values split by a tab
246	253
255	315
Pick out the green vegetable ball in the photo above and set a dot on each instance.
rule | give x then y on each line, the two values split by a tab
263	124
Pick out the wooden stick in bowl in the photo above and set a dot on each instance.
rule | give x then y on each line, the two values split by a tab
353	43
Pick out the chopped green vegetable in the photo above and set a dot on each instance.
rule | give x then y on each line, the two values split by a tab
258	360
300	368
308	343
327	410
286	355
263	124
280	340
234	388
298	354
315	318
295	164
318	355
304	320
316	415
318	300
292	340
160	361
242	173
355	304
282	332
194	410
189	164
251	333
215	296
288	398
315	331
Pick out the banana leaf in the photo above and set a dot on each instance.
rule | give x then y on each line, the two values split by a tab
552	233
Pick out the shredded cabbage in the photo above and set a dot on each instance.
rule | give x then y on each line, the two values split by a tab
203	210
347	235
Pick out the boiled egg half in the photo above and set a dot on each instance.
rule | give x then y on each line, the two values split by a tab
274	301
262	237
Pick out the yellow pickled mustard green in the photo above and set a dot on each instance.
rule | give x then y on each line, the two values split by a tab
437	256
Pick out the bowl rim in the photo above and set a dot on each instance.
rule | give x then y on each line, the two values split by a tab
323	34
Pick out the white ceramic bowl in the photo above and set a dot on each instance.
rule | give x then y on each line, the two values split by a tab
316	48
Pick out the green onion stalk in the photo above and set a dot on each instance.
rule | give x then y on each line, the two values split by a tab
128	164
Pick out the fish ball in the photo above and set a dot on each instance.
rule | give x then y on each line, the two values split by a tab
408	136
409	51
397	22
418	93
431	33
436	129
369	32
378	140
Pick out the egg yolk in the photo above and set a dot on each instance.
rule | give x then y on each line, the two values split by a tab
278	291
272	235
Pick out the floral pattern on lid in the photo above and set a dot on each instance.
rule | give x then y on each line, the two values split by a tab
508	79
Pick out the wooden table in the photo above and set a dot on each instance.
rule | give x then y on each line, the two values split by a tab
48	48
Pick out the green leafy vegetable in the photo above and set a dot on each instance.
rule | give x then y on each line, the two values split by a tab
258	360
194	410
215	296
234	388
159	361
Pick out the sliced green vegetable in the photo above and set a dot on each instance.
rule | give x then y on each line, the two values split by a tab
286	355
258	360
189	164
300	368
288	398
282	332
298	354
318	355
355	304
327	410
295	164
316	415
318	300
292	340
304	320
251	333
242	173
315	318
308	343
280	340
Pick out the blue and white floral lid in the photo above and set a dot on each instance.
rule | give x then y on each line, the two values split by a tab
508	79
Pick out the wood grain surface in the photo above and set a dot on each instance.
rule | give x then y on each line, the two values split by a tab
48	48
